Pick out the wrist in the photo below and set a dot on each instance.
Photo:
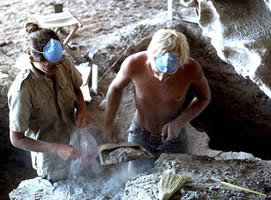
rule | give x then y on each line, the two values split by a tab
80	106
108	124
179	121
53	148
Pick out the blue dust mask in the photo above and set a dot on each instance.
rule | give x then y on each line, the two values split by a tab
166	63
52	51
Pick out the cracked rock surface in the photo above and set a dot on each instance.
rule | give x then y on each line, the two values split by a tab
254	175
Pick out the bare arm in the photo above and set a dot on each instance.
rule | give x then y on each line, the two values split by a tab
113	99
66	152
82	115
203	97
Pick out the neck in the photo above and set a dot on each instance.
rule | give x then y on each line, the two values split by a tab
38	70
50	76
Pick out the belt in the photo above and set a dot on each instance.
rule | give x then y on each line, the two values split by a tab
147	136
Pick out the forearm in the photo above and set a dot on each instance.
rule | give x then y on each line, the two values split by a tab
64	151
29	144
113	100
82	118
80	103
199	103
193	110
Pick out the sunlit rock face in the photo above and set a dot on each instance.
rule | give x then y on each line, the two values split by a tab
240	31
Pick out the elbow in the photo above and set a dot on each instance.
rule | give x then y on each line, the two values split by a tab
115	88
207	97
15	139
207	100
14	142
114	91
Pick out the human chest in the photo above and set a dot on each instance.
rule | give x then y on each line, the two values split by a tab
52	98
172	91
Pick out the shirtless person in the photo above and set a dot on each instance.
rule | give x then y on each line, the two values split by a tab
161	77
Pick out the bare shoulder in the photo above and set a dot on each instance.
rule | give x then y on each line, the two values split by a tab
136	58
193	68
129	69
135	62
193	65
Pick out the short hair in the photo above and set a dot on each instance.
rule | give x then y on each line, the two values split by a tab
35	39
165	40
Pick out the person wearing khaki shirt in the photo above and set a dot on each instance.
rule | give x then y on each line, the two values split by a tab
46	105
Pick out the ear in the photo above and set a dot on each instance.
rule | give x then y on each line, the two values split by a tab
31	58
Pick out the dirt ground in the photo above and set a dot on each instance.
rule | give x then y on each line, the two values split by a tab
98	17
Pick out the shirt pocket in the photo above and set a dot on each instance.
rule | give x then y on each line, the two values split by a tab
66	96
66	91
39	103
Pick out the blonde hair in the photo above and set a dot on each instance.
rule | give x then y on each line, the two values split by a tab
165	40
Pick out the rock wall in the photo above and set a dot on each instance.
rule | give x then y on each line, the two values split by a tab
239	113
240	32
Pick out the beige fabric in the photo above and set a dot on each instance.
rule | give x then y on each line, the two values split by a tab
44	111
54	20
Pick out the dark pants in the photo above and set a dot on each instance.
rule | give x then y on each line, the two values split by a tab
151	142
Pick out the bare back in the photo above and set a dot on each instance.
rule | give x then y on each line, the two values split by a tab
158	102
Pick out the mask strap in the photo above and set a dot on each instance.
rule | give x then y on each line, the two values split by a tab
36	50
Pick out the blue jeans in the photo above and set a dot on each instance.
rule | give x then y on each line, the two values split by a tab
151	142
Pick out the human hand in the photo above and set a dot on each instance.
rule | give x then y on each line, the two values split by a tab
82	119
171	130
111	134
67	152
